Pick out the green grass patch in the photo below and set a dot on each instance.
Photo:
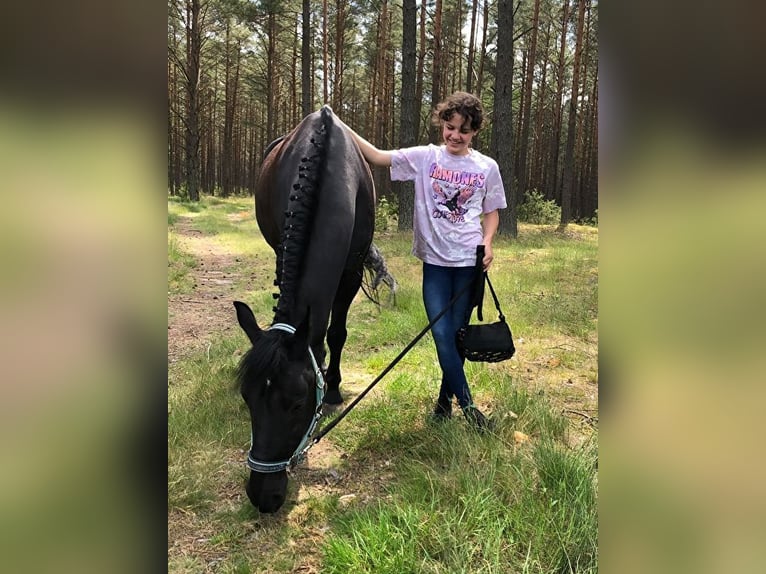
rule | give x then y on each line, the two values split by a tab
180	265
430	497
465	505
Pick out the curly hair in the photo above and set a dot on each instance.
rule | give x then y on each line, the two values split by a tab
463	103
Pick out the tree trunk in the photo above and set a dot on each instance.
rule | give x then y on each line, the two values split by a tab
171	124
306	95
593	163
538	163
457	59
471	48
519	116
419	71
340	26
210	153
271	77
558	106
383	117
502	125
436	89
228	118
193	72
566	179
325	74
294	106
527	106
405	190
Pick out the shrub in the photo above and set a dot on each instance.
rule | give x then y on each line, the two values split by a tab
592	221
536	209
385	213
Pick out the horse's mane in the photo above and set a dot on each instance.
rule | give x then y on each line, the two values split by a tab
266	356
298	221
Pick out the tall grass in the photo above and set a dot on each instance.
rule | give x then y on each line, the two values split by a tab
430	498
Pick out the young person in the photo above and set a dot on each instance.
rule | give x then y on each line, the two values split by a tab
458	192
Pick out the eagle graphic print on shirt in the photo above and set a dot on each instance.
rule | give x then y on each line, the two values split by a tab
451	194
452	190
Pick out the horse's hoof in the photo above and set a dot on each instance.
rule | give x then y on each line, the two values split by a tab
333	397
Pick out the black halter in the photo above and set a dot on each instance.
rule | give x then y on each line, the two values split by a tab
300	451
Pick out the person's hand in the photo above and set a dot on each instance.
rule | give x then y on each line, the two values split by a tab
488	256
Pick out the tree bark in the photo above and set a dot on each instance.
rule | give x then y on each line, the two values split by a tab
436	88
306	95
340	26
566	179
271	76
502	125
527	106
193	72
558	106
325	73
483	51
471	48
421	66
538	162
230	94
405	190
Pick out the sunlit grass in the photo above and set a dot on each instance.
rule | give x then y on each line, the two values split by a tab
432	497
179	267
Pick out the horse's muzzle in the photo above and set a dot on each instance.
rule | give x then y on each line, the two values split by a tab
267	491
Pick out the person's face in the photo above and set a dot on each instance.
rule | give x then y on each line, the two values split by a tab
457	134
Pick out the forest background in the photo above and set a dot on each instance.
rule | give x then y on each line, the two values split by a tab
241	73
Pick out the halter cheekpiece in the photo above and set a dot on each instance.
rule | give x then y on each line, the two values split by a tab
300	451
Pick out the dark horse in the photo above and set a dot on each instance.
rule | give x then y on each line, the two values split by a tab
315	205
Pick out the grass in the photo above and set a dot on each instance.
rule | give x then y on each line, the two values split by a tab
180	265
414	496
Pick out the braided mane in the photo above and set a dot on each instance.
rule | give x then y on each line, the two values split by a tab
298	223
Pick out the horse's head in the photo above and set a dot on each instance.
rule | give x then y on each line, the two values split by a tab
278	381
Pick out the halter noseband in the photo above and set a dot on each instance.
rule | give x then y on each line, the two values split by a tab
303	446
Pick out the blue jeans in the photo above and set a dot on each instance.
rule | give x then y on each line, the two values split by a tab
440	284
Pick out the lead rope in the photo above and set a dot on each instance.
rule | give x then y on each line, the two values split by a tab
390	366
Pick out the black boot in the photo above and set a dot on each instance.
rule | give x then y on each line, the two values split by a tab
442	409
477	419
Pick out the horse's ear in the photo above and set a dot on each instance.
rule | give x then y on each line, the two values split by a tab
299	342
247	321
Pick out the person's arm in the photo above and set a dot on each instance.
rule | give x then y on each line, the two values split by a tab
372	154
489	224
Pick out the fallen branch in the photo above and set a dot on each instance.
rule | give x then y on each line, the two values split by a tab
589	419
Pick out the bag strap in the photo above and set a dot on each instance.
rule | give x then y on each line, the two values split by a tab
478	290
482	277
494	296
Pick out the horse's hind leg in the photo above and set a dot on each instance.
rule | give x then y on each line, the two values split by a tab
336	334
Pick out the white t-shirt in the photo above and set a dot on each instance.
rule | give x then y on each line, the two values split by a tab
451	193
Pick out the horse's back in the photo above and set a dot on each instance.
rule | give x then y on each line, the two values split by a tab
345	198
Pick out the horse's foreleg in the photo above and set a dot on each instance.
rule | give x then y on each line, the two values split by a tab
336	338
336	334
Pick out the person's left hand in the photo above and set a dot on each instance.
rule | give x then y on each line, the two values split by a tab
488	256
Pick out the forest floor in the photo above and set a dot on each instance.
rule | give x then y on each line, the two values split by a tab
195	320
200	316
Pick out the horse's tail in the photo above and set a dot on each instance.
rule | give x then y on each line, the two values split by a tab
301	206
375	272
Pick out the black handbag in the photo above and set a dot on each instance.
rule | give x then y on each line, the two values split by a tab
486	343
